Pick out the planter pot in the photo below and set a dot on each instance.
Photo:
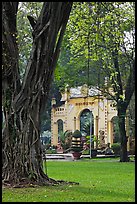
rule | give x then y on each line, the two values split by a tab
76	155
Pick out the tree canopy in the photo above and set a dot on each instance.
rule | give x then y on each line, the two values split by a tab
100	42
95	30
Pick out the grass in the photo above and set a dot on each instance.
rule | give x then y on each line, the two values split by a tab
99	181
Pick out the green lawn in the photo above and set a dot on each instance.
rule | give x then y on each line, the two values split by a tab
100	181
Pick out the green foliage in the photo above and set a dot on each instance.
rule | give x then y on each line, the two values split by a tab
101	32
51	151
77	134
65	139
93	139
85	122
103	25
73	61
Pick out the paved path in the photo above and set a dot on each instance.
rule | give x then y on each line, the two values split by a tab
61	156
69	156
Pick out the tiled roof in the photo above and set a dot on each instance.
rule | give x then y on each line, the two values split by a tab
77	92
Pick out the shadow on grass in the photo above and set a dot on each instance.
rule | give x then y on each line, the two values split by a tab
100	193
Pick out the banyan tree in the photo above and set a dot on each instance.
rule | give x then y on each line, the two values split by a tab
24	101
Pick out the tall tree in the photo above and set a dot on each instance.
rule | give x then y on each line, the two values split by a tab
24	101
105	33
116	27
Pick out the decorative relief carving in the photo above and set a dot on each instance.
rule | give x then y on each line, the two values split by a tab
84	90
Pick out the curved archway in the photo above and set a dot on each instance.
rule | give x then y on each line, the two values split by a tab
86	122
60	128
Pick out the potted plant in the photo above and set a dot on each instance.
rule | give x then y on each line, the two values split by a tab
76	145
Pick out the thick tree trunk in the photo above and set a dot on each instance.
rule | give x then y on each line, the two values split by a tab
122	103
23	103
122	130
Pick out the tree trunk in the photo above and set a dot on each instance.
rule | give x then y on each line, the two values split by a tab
122	130
122	103
23	103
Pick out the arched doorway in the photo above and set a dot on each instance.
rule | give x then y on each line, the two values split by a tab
86	122
60	128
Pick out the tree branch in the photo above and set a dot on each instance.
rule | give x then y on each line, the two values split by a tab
130	87
32	21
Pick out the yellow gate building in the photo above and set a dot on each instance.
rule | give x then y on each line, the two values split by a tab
74	101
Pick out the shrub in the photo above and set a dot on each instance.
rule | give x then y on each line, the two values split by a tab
52	150
116	148
77	134
65	139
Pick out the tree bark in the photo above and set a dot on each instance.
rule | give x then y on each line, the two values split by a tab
122	103
122	131
23	103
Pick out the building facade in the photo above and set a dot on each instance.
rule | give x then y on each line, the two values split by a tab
66	115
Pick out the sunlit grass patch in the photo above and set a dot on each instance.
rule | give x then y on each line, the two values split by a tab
98	182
